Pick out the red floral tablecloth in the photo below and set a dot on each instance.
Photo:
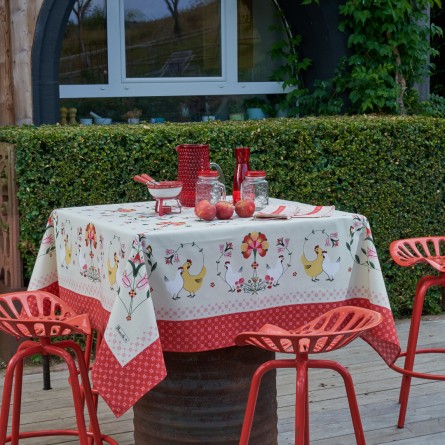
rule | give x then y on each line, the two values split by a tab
175	283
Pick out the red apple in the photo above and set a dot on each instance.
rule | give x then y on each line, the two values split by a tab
245	208
224	209
205	210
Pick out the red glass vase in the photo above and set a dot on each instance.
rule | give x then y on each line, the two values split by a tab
242	156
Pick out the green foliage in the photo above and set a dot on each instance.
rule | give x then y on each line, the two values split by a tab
390	169
289	72
322	101
434	106
391	51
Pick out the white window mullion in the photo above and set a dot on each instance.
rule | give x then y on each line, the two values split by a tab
116	43
229	31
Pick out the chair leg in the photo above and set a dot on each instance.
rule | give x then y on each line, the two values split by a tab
307	410
251	400
350	391
84	394
421	289
75	389
17	403
18	387
16	360
301	403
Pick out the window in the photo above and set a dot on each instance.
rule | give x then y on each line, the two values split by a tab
130	48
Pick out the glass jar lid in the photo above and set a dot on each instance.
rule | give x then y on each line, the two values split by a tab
208	174
256	174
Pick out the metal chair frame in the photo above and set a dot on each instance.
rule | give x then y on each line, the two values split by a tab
328	332
42	316
406	253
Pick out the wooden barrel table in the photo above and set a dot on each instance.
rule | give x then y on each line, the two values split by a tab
203	399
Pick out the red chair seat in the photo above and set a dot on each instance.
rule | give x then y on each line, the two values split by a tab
408	252
44	317
333	330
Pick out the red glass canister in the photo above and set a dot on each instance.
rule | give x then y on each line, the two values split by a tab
242	156
192	158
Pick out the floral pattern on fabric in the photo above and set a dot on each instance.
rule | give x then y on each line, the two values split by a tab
361	232
135	285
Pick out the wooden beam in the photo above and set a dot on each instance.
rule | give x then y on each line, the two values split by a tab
6	81
23	15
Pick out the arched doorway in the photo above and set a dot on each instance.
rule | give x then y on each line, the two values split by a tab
48	37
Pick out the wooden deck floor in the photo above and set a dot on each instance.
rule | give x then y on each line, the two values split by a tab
376	385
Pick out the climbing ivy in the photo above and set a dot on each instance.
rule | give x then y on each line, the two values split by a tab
390	52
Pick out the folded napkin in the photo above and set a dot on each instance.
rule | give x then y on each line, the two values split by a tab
298	210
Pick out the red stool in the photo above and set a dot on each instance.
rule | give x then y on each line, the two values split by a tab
42	316
328	332
407	252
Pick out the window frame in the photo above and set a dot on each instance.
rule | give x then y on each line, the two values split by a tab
120	86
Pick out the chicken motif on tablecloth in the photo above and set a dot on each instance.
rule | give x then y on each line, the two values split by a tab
189	277
192	282
317	263
232	277
264	275
116	253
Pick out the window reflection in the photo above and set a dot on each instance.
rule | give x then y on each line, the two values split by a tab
258	29
84	50
172	38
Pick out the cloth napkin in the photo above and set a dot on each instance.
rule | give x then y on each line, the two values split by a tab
295	211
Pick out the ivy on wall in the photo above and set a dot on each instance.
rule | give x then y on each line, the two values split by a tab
391	51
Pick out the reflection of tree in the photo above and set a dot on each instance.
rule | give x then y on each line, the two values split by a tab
172	6
80	10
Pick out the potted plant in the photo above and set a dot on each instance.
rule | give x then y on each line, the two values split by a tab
208	116
255	108
184	112
236	111
133	116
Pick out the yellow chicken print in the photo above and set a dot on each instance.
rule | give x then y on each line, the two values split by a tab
68	252
192	283
112	270
313	268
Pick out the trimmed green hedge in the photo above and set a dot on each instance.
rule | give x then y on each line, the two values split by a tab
390	169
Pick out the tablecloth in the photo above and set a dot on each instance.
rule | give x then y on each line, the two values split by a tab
176	283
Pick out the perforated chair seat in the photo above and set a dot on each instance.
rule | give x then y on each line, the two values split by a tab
332	330
409	252
43	320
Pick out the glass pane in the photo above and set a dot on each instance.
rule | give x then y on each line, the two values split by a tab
84	49
170	108
172	38
259	27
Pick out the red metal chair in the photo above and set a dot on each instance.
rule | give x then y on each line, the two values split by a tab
42	316
331	331
408	252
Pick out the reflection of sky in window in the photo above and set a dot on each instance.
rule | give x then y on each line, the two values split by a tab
143	9
92	7
155	9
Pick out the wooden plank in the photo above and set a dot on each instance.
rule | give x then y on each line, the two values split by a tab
6	82
23	15
376	385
